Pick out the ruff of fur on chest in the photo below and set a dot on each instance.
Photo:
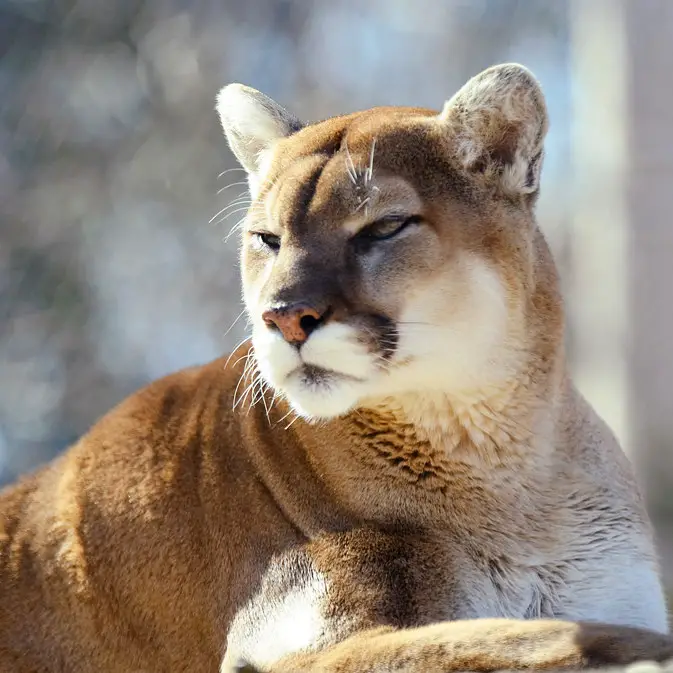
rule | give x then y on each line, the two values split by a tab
499	428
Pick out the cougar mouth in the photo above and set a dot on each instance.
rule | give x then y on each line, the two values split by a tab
338	365
310	374
315	376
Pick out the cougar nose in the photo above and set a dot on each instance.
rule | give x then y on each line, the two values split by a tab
295	321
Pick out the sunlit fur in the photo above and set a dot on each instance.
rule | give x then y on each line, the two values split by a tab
452	504
475	370
460	320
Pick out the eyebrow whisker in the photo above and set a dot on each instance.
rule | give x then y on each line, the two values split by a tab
364	202
370	169
350	166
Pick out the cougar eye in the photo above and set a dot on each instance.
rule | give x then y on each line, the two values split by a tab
264	239
385	228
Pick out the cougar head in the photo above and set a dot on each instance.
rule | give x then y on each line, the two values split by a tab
394	251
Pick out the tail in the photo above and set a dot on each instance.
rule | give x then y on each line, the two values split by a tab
481	645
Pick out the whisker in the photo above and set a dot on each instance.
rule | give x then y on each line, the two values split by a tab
257	392
238	317
239	209
233	212
241	378
245	394
294	420
238	345
274	399
237	204
280	420
265	386
363	203
237	227
370	169
258	389
229	170
350	166
232	204
233	184
243	357
239	198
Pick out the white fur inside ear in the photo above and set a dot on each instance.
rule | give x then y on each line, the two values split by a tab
243	111
252	122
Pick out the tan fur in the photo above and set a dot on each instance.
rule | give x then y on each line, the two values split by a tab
419	488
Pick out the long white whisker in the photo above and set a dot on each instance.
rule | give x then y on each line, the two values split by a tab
245	394
350	166
258	391
233	184
229	170
294	420
233	212
238	207
238	317
243	196
234	229
238	345
239	200
232	204
245	357
265	386
370	169
241	378
364	202
291	411
274	398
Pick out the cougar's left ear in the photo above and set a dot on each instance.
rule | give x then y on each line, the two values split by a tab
251	123
499	122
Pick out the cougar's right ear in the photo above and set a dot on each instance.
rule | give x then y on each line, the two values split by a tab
252	122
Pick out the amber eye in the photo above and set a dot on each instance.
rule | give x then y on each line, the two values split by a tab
264	239
386	228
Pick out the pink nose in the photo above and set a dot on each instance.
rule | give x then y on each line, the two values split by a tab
294	321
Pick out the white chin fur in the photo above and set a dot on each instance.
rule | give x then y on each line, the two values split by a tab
335	348
321	401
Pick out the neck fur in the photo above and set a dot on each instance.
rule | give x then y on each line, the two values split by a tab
493	425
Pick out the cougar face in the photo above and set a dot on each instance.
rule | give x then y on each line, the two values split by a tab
389	252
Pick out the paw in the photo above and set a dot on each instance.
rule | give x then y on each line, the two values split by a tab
609	645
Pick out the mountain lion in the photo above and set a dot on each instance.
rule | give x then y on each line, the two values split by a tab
396	474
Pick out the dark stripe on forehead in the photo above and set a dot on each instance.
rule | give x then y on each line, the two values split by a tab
299	189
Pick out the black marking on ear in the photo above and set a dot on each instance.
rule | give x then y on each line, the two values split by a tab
479	165
294	126
533	170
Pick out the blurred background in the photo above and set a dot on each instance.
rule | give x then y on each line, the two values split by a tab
112	272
